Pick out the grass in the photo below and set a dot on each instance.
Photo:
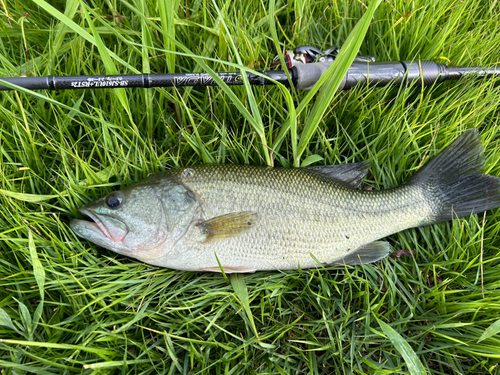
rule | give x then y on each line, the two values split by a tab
67	306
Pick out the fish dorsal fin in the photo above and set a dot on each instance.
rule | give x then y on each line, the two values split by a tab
227	225
349	175
369	253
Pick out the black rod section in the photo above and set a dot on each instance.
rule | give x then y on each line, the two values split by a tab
140	80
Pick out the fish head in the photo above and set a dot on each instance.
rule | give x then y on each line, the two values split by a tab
143	221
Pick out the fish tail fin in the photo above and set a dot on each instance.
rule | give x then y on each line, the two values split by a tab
455	183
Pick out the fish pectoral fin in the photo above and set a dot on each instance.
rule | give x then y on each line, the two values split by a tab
228	269
227	225
369	253
349	175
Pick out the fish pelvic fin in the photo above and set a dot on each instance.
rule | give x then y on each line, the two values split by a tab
454	181
227	225
369	253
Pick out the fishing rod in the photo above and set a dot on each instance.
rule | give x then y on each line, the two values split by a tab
305	67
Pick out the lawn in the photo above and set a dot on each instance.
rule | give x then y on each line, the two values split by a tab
68	306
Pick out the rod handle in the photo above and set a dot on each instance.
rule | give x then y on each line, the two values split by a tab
384	73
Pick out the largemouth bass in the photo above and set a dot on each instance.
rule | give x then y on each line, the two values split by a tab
243	218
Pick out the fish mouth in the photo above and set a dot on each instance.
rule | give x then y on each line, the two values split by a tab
99	226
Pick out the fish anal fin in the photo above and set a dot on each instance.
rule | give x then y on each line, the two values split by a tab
349	175
227	225
228	269
369	253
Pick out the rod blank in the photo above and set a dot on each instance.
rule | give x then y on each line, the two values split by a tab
140	80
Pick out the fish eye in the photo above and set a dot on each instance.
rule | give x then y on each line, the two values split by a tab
114	200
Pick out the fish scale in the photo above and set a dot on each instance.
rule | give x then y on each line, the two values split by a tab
303	218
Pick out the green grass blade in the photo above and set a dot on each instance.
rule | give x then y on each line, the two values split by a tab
38	269
240	289
21	368
414	365
491	331
107	61
167	16
80	31
26	320
100	352
27	197
311	159
6	321
147	50
109	364
257	123
333	77
292	115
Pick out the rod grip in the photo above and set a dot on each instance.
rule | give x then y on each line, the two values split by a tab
374	74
